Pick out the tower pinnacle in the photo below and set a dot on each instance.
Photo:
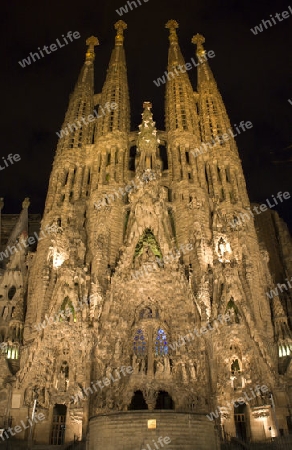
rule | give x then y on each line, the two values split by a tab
181	111
172	25
147	142
115	89
92	41
120	26
198	40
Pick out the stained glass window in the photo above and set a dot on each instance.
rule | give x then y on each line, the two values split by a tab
139	345
161	346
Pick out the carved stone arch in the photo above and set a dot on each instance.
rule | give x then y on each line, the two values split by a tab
164	398
137	401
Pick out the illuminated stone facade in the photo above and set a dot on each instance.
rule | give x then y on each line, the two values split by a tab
138	249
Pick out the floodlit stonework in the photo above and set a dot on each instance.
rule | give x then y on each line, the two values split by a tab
107	375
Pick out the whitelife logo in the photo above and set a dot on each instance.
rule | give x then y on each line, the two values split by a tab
30	241
275	292
220	138
183	68
259	28
53	47
19	428
239	401
106	382
243	217
124	9
64	132
10	158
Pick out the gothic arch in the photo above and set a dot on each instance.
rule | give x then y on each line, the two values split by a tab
164	401
138	402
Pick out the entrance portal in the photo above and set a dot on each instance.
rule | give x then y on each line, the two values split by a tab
240	422
59	425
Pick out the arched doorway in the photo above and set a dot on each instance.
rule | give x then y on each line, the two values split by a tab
240	422
138	402
59	425
164	401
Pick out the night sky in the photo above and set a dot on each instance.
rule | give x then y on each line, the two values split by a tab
253	73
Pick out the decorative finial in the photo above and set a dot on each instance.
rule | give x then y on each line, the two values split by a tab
172	25
147	105
92	41
120	26
25	203
198	40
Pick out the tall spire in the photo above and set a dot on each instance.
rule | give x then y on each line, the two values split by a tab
214	126
76	130
115	90
213	116
180	101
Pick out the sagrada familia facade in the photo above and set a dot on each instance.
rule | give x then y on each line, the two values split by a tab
142	319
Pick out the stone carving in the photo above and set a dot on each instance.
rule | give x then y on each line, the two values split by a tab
150	395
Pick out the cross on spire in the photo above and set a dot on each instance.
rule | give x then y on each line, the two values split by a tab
198	40
92	41
172	25
120	26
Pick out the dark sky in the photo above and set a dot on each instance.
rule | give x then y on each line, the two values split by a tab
253	73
